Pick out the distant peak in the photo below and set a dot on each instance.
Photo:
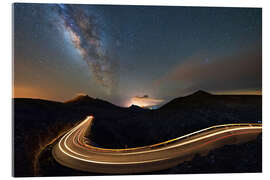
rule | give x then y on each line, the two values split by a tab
80	97
134	106
85	96
201	93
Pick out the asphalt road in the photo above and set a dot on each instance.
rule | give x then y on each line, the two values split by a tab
73	151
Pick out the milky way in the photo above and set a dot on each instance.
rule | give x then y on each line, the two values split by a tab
120	53
87	38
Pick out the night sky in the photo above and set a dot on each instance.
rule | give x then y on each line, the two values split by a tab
143	55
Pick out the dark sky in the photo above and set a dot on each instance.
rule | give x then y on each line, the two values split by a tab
123	54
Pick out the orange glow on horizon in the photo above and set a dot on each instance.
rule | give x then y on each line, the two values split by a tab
144	101
239	92
34	93
26	92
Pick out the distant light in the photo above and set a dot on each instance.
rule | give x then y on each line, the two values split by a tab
145	101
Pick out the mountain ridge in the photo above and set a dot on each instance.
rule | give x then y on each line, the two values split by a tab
198	97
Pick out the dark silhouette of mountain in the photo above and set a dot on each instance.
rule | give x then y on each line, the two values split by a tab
200	93
204	99
80	99
85	100
135	108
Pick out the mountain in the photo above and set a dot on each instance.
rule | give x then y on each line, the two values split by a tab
204	99
80	99
200	93
85	100
135	108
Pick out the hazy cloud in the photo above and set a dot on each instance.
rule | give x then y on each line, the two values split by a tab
242	70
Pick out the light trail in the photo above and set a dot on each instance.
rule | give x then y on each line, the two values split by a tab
71	151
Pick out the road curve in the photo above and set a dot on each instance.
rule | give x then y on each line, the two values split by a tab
73	151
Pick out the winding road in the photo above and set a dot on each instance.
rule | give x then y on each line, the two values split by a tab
73	151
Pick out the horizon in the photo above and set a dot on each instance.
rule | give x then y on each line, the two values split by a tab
147	55
257	93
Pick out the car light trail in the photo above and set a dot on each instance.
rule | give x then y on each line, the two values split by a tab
71	151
